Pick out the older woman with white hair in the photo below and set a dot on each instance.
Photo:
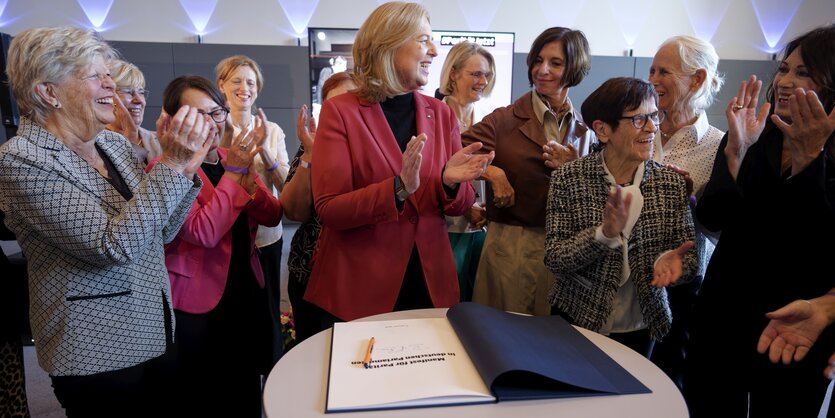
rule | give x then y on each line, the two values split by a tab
130	86
92	224
467	76
684	73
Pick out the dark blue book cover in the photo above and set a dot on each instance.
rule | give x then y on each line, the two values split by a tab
536	357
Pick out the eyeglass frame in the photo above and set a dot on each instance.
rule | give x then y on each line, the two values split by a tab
476	75
133	92
639	121
213	112
97	76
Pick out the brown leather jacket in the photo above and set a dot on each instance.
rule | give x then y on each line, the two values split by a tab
516	135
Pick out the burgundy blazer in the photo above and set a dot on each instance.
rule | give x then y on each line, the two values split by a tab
198	258
365	244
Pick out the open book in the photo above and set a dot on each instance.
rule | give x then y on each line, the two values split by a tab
476	354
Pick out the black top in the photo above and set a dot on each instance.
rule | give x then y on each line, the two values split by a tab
114	177
239	263
400	114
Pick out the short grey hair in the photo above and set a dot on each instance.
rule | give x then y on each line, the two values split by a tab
49	55
126	75
696	54
457	58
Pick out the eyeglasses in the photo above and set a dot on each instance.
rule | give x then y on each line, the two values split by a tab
639	121
100	77
476	75
134	92
218	115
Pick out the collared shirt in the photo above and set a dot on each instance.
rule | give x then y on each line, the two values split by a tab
555	123
626	313
693	149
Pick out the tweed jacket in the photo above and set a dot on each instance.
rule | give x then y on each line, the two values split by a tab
517	136
588	272
97	274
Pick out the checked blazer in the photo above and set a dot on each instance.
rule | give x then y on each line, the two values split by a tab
587	272
97	275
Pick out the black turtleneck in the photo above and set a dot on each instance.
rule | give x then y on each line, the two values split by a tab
400	114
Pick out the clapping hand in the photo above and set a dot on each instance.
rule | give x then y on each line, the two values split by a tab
185	138
306	130
667	269
745	123
412	159
556	154
616	212
124	123
809	129
465	165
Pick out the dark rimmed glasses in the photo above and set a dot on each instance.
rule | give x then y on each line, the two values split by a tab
639	121
218	115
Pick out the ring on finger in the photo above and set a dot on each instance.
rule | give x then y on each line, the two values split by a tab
738	106
242	147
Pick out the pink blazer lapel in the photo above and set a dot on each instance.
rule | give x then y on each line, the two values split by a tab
426	120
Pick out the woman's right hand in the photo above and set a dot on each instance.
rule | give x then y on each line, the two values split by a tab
306	129
745	123
412	158
185	139
616	212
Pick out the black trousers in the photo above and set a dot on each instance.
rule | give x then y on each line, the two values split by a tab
139	391
306	315
270	258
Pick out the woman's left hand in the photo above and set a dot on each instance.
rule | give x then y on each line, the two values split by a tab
556	155
688	181
809	129
667	269
465	165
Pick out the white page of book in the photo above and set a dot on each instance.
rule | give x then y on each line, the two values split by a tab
415	362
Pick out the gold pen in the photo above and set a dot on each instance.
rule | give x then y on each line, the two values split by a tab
367	361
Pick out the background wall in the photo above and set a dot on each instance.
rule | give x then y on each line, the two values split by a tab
160	36
740	29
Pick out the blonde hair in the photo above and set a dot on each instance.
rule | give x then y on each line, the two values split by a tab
228	65
49	55
384	31
457	58
696	54
126	75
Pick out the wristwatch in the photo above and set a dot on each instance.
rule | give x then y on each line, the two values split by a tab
400	190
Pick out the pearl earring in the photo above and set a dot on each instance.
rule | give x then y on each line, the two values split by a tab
57	105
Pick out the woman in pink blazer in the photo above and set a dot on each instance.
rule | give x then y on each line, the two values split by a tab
387	166
217	284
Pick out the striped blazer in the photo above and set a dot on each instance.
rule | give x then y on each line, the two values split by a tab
97	275
587	272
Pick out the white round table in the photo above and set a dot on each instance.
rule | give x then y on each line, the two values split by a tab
297	385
